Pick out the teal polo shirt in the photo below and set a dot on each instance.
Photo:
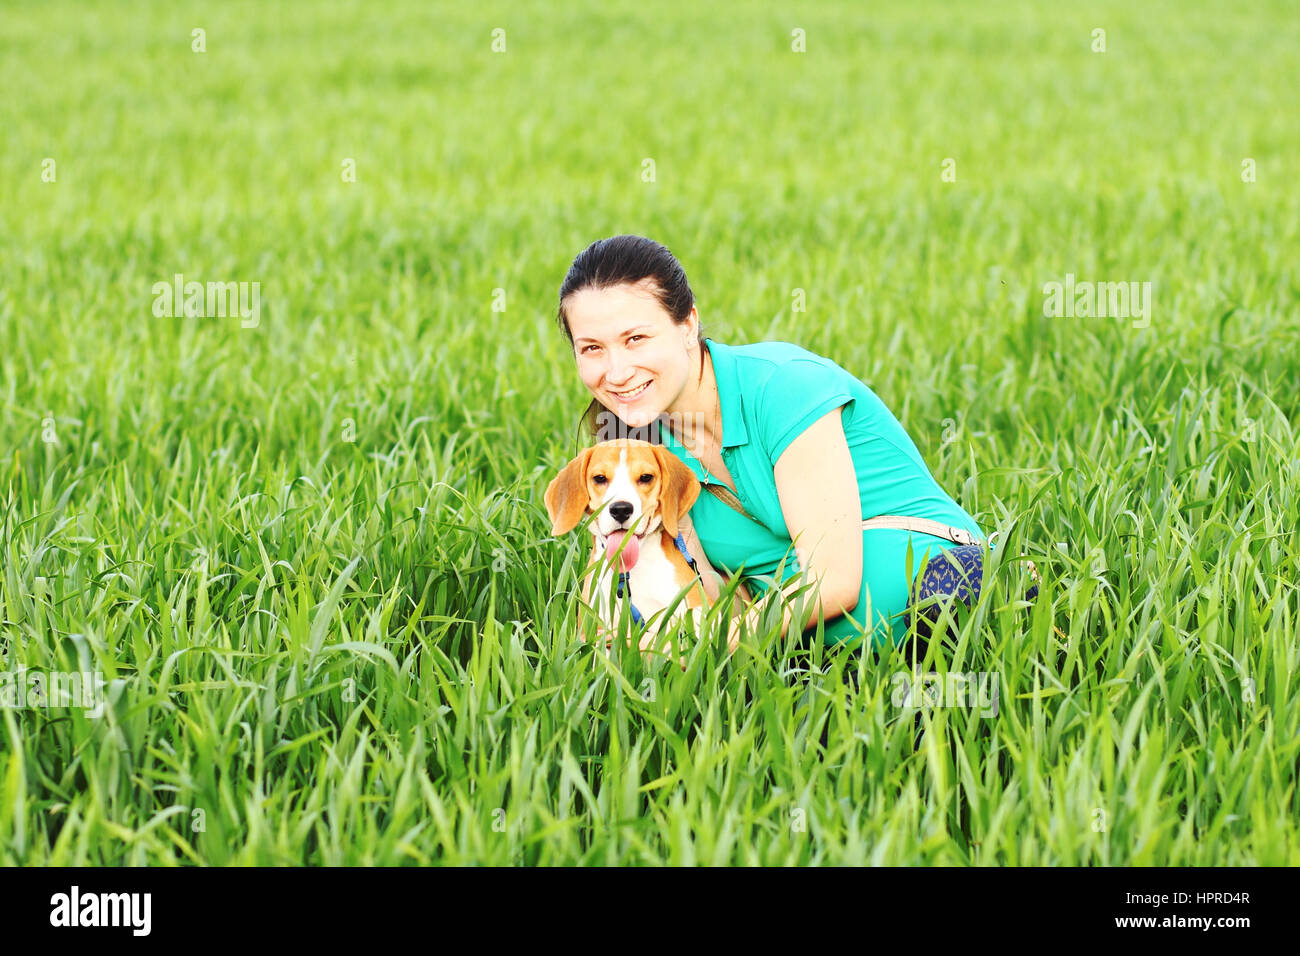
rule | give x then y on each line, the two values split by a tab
770	393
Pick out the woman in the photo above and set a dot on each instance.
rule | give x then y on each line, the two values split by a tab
806	447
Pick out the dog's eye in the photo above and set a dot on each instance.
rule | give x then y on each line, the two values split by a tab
647	478
599	479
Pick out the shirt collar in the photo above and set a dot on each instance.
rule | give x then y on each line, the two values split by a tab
728	378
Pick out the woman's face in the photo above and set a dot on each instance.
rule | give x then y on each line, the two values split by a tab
631	355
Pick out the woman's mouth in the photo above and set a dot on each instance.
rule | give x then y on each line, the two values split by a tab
632	394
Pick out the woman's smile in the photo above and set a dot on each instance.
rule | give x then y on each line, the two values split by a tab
631	395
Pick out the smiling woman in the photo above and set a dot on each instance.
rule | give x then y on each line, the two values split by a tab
795	451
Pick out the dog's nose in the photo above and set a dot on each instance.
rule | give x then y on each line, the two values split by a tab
621	510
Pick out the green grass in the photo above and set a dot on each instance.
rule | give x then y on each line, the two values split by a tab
363	651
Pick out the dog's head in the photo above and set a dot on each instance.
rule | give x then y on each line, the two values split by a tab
633	485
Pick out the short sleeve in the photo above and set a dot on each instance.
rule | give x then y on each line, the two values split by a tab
797	393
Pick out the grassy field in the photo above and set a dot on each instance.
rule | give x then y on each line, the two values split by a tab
307	551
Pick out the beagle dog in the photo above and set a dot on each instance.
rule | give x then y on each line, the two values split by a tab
640	494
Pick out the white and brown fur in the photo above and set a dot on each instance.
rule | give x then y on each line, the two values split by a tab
648	491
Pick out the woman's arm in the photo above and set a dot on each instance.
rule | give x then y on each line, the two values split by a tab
818	489
713	581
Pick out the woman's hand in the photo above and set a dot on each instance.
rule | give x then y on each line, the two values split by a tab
733	635
733	628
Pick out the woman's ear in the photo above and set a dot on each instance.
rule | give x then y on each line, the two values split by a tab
566	496
680	488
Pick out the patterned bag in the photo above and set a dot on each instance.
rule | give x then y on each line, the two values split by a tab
957	571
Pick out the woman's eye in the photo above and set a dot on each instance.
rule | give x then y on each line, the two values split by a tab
647	478
599	479
588	349
637	336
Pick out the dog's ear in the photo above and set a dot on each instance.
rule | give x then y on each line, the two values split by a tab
680	488
566	495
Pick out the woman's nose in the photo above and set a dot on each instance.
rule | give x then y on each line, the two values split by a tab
616	371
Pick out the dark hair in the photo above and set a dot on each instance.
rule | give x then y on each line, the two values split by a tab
622	260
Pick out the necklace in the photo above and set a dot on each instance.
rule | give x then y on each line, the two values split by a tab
717	429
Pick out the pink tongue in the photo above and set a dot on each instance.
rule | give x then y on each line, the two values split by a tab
631	550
